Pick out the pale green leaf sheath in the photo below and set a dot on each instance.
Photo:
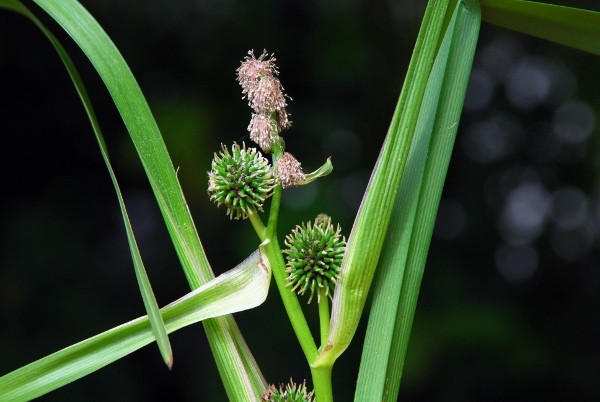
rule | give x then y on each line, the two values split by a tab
244	287
370	227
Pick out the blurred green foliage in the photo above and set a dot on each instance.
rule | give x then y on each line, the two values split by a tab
508	306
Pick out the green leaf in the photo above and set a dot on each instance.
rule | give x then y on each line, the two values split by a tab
568	26
142	128
323	171
242	379
404	254
148	298
244	287
371	224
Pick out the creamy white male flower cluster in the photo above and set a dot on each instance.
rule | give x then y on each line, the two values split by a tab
262	88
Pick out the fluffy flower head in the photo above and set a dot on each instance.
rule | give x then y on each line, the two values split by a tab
288	171
261	129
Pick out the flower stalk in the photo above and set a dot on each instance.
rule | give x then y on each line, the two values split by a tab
232	183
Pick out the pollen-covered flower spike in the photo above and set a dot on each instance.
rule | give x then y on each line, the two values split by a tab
242	180
252	70
261	131
264	91
288	171
291	393
259	83
314	256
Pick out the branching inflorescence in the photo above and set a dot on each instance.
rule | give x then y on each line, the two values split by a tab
242	179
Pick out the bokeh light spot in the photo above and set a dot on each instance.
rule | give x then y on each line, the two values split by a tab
574	121
516	264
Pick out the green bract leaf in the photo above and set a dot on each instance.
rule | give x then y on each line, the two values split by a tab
370	226
244	287
323	171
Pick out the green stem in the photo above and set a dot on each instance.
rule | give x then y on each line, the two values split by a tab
276	200
273	251
322	382
321	375
290	301
258	225
323	316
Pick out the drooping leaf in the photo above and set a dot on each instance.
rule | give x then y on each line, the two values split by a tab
243	382
244	287
148	298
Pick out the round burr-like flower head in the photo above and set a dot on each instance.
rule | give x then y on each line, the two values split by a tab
240	179
291	393
314	256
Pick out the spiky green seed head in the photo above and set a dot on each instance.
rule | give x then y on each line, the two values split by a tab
240	179
314	256
291	393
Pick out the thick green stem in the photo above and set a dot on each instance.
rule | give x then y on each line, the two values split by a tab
258	225
273	251
323	316
322	382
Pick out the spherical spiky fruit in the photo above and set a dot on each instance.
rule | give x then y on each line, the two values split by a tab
242	180
314	256
291	393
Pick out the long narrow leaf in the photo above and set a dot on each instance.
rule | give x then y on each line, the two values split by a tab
224	337
244	287
568	26
451	101
140	123
396	290
370	227
150	303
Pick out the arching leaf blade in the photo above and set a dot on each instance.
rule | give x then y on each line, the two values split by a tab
148	297
244	287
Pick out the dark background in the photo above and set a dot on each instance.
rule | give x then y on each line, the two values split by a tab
509	302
